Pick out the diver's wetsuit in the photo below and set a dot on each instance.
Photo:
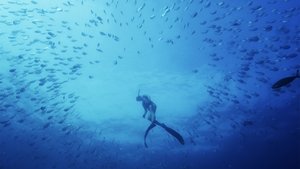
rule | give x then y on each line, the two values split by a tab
150	106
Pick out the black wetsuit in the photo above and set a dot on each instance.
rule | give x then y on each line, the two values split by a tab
150	106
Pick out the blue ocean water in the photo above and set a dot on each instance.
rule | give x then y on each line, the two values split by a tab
70	72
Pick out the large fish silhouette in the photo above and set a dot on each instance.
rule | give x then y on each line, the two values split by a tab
285	81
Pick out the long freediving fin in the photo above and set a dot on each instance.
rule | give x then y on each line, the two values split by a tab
168	129
171	131
152	125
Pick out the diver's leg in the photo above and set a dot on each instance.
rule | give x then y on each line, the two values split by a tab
153	117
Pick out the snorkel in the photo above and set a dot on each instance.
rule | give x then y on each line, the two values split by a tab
138	97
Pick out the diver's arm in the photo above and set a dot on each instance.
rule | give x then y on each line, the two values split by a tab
145	108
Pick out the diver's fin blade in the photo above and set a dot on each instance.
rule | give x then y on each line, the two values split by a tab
152	125
175	134
172	132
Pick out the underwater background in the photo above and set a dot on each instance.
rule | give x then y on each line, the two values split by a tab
70	72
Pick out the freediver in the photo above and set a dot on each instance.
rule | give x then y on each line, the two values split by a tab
150	106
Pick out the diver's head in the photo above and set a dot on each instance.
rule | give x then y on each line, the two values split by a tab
139	98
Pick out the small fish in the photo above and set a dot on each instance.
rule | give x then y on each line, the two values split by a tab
46	125
253	39
167	10
195	14
268	28
247	123
51	34
285	81
285	47
152	16
140	8
292	55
